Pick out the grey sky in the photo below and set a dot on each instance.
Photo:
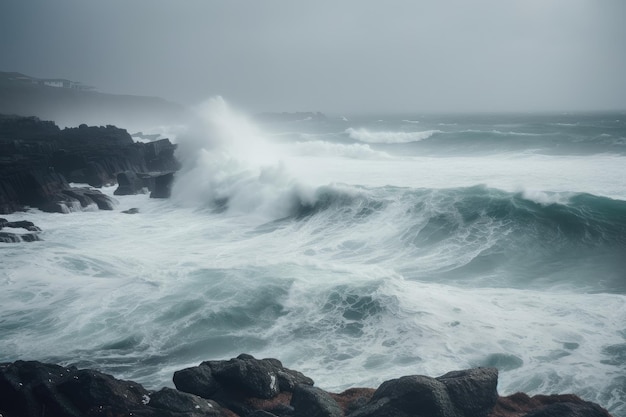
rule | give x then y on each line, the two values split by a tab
333	56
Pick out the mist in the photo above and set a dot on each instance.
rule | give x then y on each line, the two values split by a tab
346	57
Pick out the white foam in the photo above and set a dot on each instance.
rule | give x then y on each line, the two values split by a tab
546	198
227	158
330	149
365	135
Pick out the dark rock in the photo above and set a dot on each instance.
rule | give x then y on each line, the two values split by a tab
232	388
247	356
197	380
181	402
87	390
7	237
163	185
133	210
103	201
414	395
569	410
21	185
472	391
520	404
262	378
24	224
261	413
257	377
78	195
30	237
34	389
128	184
288	379
38	159
243	384
309	401
354	398
61	204
27	389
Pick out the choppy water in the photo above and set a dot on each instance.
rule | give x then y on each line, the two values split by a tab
353	249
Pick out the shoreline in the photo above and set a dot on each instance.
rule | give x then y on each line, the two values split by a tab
245	386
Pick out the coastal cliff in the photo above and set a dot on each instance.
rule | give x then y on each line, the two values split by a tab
38	160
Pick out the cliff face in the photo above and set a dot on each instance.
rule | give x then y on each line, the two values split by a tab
38	160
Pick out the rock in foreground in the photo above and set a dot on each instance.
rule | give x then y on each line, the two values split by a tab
10	237
245	386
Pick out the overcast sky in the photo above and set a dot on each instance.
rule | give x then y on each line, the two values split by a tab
333	56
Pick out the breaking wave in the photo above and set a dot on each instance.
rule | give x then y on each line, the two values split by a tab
368	136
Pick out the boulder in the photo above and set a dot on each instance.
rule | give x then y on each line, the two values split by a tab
244	387
585	409
243	384
520	404
261	378
9	237
472	391
35	389
6	237
163	185
354	398
409	396
103	201
180	402
258	378
197	380
89	390
128	183
24	224
309	401
27	389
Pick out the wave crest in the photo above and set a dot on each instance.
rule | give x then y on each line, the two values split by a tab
389	137
329	149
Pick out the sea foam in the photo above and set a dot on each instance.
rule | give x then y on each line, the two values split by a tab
366	135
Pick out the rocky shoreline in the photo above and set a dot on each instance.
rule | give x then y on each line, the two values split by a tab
38	161
249	387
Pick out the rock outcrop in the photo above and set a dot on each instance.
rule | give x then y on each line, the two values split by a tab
249	387
38	161
10	237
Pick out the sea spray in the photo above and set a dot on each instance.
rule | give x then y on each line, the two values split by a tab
368	136
229	164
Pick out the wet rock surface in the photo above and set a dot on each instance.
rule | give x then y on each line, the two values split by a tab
38	160
8	236
245	386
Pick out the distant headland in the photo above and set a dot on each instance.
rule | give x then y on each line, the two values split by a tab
70	103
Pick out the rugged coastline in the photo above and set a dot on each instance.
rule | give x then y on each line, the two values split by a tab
245	386
38	161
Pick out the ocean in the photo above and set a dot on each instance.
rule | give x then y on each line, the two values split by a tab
355	249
